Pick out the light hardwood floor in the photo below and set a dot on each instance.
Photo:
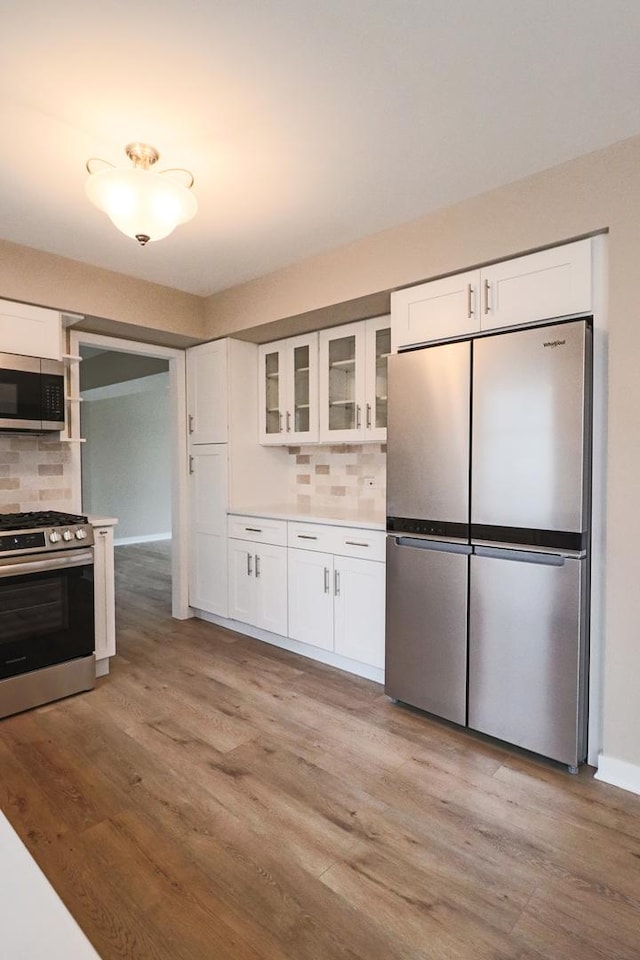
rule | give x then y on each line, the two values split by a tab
218	798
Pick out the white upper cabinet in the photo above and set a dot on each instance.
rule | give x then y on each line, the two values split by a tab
30	331
538	286
288	390
378	348
353	381
437	310
207	408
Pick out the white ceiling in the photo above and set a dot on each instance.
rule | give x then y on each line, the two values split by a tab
306	123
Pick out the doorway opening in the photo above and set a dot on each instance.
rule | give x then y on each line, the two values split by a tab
131	465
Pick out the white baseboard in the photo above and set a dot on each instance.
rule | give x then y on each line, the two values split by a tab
619	773
146	538
303	649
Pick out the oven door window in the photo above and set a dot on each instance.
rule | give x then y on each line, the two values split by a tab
45	618
19	395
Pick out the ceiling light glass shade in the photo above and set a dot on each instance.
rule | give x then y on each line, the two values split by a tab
143	204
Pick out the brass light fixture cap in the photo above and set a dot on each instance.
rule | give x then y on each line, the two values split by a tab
142	155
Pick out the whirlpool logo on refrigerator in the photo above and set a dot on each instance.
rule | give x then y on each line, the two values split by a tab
554	343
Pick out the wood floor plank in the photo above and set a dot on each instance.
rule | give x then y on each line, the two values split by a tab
218	798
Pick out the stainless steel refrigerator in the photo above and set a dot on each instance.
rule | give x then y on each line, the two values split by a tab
488	478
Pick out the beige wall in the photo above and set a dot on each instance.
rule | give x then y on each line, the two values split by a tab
599	191
122	304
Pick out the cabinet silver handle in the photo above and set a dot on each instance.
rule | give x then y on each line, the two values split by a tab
368	416
288	422
355	543
190	423
190	464
326	579
336	582
280	421
305	536
257	565
469	301
486	296
249	567
253	529
357	416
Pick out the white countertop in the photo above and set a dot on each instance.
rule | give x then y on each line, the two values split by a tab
315	514
34	922
98	521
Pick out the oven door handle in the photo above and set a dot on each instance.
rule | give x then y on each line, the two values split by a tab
54	561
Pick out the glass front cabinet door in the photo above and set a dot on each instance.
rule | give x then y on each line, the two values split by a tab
289	390
378	350
353	381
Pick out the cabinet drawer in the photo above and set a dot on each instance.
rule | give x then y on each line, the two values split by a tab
258	529
356	542
342	541
310	536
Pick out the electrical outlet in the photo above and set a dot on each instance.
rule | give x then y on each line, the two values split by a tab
369	482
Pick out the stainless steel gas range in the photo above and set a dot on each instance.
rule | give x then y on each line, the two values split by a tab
47	632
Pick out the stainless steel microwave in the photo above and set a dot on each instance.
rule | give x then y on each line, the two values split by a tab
31	394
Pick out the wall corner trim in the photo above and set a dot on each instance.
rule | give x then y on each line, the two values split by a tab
619	773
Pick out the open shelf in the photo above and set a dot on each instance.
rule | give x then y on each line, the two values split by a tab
342	365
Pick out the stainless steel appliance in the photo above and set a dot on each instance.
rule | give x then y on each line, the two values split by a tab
31	394
47	634
488	520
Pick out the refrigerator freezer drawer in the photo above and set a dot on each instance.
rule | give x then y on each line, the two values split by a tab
527	651
426	635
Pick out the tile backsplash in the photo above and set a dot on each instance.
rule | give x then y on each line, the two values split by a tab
35	474
327	476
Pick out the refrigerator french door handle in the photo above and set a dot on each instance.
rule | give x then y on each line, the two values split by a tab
521	556
440	546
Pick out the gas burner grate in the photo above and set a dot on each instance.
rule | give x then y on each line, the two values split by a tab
36	519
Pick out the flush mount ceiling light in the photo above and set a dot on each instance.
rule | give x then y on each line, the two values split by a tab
141	203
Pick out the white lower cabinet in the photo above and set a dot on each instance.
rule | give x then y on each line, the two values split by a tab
321	585
104	593
258	584
311	598
358	610
337	602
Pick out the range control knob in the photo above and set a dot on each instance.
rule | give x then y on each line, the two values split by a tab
54	536
67	535
81	534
